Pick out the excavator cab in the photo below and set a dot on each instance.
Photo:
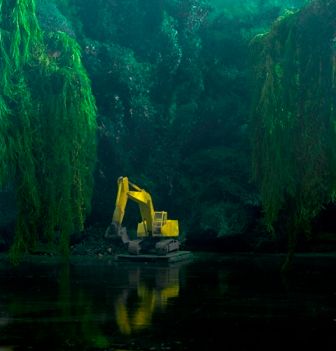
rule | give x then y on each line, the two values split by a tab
160	219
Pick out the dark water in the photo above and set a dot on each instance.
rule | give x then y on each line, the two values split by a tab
213	302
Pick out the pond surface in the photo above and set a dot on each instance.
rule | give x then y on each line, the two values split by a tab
238	302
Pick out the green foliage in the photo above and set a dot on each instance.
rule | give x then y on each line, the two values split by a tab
216	193
294	117
170	78
143	89
47	126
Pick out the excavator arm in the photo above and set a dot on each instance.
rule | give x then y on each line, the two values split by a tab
138	195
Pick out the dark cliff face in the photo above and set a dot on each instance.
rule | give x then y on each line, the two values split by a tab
195	71
173	90
174	103
51	19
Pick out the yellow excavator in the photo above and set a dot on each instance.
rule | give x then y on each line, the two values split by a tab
156	234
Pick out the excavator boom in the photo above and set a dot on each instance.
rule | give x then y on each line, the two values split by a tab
121	201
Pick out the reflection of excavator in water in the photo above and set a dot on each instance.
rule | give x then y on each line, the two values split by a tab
155	233
137	305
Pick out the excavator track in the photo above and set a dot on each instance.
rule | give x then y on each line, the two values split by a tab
163	247
145	246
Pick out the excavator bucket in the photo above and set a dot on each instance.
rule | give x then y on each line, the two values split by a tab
117	233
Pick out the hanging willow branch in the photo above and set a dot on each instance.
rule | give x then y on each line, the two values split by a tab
293	124
47	128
